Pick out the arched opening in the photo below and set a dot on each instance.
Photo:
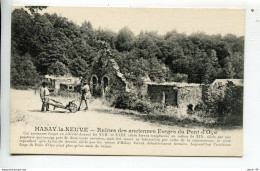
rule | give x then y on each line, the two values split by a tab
105	83
105	86
94	82
94	86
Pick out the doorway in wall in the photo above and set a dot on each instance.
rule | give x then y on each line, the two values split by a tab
105	86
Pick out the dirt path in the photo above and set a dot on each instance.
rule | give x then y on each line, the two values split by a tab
26	105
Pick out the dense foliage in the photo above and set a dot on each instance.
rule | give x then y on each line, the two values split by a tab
224	103
231	106
51	44
126	100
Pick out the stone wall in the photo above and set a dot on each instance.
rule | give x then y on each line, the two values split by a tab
189	95
171	95
166	95
114	84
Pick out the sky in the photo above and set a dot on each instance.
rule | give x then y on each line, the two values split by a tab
162	20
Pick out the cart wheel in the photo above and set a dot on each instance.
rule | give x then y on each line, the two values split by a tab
73	108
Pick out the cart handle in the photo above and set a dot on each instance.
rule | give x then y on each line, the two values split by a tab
56	101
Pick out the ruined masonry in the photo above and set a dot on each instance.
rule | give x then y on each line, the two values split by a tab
106	81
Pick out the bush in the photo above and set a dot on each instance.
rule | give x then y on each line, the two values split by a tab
230	109
224	103
125	100
131	101
142	106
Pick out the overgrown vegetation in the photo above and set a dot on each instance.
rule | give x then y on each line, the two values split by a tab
225	104
230	108
51	44
127	100
220	107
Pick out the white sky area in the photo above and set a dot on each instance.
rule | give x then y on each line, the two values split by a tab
162	20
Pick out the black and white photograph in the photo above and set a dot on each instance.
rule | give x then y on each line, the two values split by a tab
127	81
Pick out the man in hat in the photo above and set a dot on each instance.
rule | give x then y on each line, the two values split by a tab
85	94
44	94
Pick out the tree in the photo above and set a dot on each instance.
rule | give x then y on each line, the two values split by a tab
124	40
133	68
57	69
78	67
22	30
228	69
55	44
107	36
34	9
211	68
87	25
147	45
237	60
23	72
157	71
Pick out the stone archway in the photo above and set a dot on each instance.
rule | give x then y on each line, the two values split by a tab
105	86
94	82
94	85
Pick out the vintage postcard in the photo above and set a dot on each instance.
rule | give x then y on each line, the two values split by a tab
127	81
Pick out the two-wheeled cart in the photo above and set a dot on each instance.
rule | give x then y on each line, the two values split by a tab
71	106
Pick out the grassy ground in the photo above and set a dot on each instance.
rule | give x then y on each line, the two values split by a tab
167	119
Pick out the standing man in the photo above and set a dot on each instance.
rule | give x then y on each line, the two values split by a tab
85	94
44	94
